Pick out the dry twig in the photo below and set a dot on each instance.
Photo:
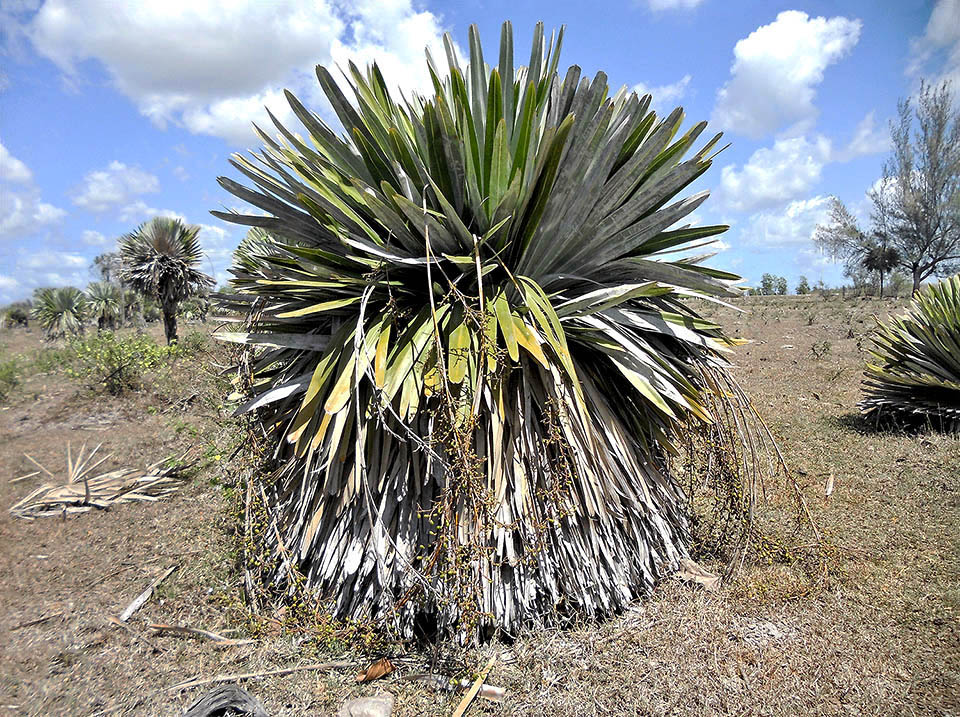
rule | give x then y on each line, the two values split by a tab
250	675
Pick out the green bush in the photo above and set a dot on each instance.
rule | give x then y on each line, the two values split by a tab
9	368
117	362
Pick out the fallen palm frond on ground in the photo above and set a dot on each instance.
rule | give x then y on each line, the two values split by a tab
916	377
83	492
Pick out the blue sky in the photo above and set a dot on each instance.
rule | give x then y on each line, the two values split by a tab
111	113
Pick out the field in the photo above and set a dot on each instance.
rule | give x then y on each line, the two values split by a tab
864	621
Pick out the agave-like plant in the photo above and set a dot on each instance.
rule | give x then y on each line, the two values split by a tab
474	350
160	259
105	302
916	374
60	311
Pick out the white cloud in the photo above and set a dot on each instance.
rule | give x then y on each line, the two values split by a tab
793	226
939	46
867	139
212	66
12	169
22	214
664	96
776	70
139	210
104	189
658	5
7	286
774	175
47	259
181	173
93	238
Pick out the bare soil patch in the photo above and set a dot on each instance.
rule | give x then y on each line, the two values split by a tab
867	626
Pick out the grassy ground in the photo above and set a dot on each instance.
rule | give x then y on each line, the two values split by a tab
867	626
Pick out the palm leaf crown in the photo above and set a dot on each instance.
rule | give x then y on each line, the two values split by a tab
915	372
105	299
60	311
160	259
471	352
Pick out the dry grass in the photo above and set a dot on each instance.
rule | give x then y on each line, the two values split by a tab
870	626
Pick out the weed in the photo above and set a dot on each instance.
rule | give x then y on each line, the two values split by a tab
820	349
9	378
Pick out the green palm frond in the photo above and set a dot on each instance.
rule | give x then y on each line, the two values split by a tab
61	311
916	374
472	350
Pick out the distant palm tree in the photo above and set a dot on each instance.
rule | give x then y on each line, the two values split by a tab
159	259
60	311
105	301
881	259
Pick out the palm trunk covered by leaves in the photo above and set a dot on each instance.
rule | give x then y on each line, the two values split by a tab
915	376
471	351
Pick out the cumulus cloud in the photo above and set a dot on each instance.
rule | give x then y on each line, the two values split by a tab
937	51
774	175
664	96
794	226
867	139
776	70
47	259
23	214
93	238
12	169
8	285
118	184
211	66
139	210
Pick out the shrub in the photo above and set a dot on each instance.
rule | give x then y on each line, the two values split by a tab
17	314
114	362
916	377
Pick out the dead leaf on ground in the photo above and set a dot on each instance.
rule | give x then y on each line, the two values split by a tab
691	572
378	669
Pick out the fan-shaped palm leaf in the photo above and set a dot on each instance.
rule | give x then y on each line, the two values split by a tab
104	300
916	376
160	260
60	311
476	356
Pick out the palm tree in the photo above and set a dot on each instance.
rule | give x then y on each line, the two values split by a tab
882	259
160	260
60	311
105	301
475	355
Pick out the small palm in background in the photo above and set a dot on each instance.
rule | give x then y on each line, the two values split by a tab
106	304
61	312
160	259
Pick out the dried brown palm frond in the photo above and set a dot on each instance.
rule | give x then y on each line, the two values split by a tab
84	491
